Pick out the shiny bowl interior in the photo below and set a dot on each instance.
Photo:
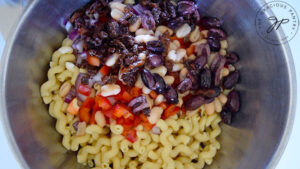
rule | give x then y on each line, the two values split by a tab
255	140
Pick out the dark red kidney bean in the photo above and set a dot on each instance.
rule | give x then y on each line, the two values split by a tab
209	93
216	68
155	46
217	33
185	85
203	50
205	79
230	80
200	62
233	102
148	21
155	60
194	102
214	44
232	58
226	117
210	22
171	95
160	84
148	79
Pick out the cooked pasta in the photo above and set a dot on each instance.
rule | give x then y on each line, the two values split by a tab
119	104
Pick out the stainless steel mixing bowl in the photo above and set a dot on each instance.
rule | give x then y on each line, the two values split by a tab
256	139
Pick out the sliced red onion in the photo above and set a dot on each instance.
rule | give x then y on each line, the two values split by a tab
156	130
75	125
77	84
83	55
79	60
78	45
73	34
69	26
138	9
70	96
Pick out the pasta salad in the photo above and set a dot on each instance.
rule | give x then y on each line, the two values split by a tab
142	85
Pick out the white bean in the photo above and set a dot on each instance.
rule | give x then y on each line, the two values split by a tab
209	108
204	33
231	68
176	56
224	44
224	72
222	52
177	67
223	98
159	99
143	31
182	74
81	129
116	14
100	119
218	105
112	59
195	35
110	89
139	83
135	26
183	31
117	5
155	114
146	90
161	30
64	89
169	80
149	100
161	70
144	38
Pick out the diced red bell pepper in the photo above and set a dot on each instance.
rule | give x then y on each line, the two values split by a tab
103	102
73	107
126	96
137	120
147	125
85	90
93	60
170	111
144	117
122	111
105	70
88	103
84	114
190	50
135	92
153	94
163	105
109	113
130	135
95	109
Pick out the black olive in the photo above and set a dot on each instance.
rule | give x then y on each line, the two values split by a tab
160	85
171	95
148	79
